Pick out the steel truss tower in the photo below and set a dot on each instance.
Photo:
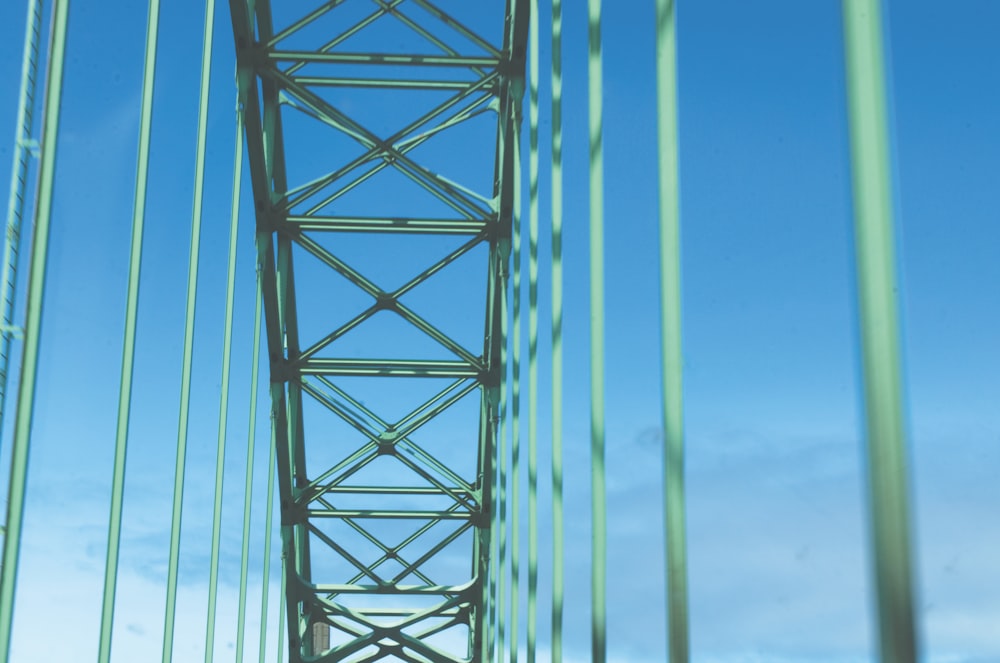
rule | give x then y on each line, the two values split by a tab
374	516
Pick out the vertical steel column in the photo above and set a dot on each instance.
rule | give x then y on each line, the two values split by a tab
878	315
557	334
670	333
33	324
533	69
515	409
598	492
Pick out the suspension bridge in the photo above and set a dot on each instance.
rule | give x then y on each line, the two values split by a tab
390	163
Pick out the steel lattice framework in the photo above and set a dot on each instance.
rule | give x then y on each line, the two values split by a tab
360	553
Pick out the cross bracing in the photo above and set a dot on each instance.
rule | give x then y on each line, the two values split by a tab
361	550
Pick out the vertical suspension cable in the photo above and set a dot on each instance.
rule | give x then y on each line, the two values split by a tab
18	182
268	521
533	331
498	472
491	617
188	353
282	624
598	499
33	320
502	454
670	334
494	618
515	417
557	349
128	347
227	346
251	447
878	317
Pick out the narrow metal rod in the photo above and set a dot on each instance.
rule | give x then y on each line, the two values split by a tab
515	419
268	534
557	348
18	183
502	454
227	347
282	624
670	334
248	486
598	498
33	325
128	347
533	331
491	616
878	312
188	353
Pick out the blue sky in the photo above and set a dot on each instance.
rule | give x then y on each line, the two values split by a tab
778	566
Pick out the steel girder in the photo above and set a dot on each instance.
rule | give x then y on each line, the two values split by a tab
360	558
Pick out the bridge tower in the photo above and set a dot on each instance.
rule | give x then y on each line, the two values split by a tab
381	154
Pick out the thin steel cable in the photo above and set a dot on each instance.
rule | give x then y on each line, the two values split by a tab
188	353
532	332
502	453
128	346
282	624
670	335
268	520
515	418
557	348
878	315
491	616
18	182
33	325
496	647
501	621
597	442
248	486
227	347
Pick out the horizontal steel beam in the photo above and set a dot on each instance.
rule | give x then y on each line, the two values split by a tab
383	83
388	225
388	368
432	590
382	59
376	514
390	490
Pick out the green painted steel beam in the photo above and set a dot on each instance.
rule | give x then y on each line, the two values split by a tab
514	620
878	316
384	84
400	515
390	368
388	225
558	525
382	59
670	334
533	397
597	433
